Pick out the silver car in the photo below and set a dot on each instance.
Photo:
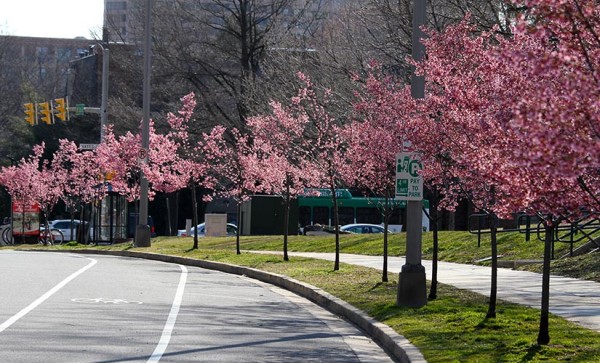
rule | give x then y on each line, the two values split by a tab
231	230
362	228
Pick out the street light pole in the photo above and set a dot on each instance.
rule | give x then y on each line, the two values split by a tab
104	102
142	232
412	286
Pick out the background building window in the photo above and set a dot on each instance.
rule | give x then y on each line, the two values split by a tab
116	5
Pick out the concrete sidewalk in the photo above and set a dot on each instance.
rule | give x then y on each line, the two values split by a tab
575	300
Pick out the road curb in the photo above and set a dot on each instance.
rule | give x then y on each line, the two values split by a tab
396	345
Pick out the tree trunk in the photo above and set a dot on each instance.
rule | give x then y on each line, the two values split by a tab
237	233
544	335
194	216
81	231
336	222
175	213
72	215
286	218
491	313
170	219
46	226
23	222
386	223
433	220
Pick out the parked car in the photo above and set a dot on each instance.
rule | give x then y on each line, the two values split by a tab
231	230
66	226
362	228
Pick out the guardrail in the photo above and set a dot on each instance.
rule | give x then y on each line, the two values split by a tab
572	233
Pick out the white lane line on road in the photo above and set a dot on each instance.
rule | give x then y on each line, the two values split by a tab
43	298
170	324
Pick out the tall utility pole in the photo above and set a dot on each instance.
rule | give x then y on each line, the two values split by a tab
142	232
104	104
412	287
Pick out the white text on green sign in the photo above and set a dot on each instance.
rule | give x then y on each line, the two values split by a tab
409	184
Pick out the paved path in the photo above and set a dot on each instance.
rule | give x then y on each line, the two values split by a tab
575	300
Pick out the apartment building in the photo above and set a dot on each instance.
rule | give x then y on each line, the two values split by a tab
117	19
46	63
120	15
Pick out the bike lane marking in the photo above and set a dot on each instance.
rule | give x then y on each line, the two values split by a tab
86	300
170	324
44	297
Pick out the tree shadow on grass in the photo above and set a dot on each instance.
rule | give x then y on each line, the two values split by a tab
531	353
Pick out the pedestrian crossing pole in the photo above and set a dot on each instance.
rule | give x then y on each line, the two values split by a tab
412	287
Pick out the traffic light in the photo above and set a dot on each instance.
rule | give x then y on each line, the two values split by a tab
30	113
46	111
61	109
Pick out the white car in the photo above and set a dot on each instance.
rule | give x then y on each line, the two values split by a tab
362	228
65	226
231	230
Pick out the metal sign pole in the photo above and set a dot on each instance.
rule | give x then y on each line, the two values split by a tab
412	288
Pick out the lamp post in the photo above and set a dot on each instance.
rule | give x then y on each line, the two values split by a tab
104	102
142	232
412	287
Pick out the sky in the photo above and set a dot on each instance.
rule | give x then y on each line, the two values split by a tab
52	18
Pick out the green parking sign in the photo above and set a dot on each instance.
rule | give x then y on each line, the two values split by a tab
409	183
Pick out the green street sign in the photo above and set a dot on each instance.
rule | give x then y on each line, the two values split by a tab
79	109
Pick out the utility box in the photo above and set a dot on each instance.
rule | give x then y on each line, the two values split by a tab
264	215
215	225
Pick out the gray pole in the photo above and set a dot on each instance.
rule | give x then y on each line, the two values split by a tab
412	288
104	105
142	232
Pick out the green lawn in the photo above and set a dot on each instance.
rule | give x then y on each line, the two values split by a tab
454	246
452	328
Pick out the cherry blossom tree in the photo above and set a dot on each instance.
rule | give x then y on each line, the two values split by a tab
163	167
238	166
286	169
460	112
21	180
35	180
193	165
18	179
382	128
327	143
560	115
82	185
311	143
174	160
118	159
511	153
375	136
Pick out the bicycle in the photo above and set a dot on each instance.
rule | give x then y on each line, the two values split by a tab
7	238
54	237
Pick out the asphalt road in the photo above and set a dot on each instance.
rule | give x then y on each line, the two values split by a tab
71	308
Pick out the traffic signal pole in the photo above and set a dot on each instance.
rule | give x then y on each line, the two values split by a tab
412	287
104	102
